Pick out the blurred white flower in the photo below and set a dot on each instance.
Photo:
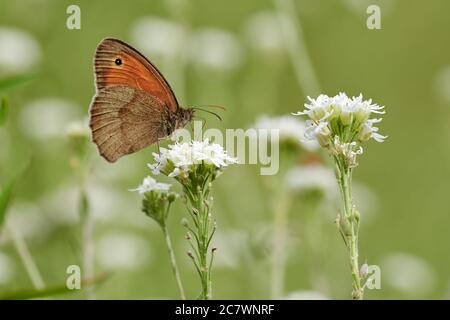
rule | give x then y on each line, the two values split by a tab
107	204
29	219
150	184
263	32
231	247
305	295
407	273
183	158
312	177
122	251
442	84
290	129
158	36
78	128
366	200
48	117
215	49
19	51
7	268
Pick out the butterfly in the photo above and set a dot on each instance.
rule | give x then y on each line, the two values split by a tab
134	106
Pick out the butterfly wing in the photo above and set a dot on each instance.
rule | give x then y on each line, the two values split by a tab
126	119
117	63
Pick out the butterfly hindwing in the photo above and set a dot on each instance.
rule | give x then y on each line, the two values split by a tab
124	119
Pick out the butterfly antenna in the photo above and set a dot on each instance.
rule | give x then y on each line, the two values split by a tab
211	106
207	111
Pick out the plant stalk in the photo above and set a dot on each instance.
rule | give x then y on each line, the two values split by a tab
173	261
348	225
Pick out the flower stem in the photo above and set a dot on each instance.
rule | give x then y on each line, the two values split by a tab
279	246
348	225
87	226
26	257
203	233
173	261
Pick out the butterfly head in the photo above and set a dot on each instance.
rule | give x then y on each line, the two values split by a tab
184	117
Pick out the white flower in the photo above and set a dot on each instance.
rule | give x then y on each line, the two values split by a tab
158	36
408	273
341	123
368	131
150	184
215	49
48	117
19	51
290	129
122	251
311	177
320	132
181	158
264	33
349	150
348	109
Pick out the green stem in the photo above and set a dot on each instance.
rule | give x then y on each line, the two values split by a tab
26	257
349	228
87	229
203	237
279	245
173	261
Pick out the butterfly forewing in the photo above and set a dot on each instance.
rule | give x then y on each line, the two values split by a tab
116	63
124	120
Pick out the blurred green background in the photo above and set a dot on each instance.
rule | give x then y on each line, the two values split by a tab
232	53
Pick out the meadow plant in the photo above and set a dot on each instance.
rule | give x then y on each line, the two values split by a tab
341	124
292	146
196	165
156	203
78	136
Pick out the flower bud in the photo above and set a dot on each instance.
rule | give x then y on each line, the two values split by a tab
346	118
344	225
364	270
184	222
172	197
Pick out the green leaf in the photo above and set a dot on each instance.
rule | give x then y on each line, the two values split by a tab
51	291
4	110
5	198
12	82
6	192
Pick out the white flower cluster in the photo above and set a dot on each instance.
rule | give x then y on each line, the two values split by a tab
149	184
290	129
341	123
182	158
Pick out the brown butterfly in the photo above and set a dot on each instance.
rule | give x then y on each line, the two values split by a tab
134	105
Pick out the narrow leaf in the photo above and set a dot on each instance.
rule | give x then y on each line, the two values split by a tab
12	82
5	197
4	110
50	291
7	190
